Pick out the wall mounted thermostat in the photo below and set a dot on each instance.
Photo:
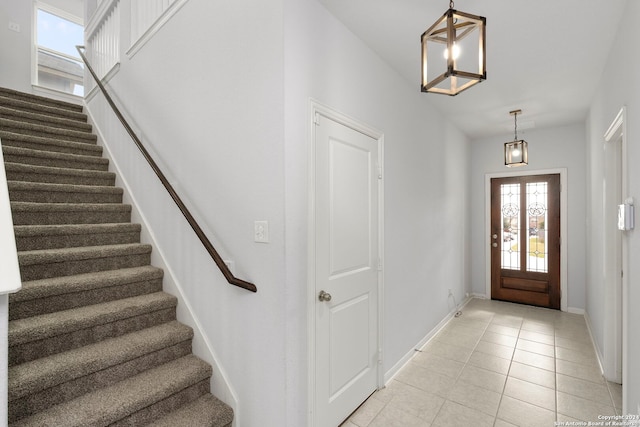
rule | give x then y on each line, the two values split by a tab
626	215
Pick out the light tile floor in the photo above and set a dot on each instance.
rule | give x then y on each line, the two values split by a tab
497	365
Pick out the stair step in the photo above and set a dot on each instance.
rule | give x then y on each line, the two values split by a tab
37	237
43	119
49	263
205	411
48	110
31	173
20	191
25	128
52	159
10	139
64	293
27	213
41	336
37	100
93	339
138	400
37	385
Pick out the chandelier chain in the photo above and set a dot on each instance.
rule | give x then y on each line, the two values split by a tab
515	121
450	4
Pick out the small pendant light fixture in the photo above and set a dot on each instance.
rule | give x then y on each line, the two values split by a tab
456	53
516	153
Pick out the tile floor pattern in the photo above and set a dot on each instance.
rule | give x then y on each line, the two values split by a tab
497	365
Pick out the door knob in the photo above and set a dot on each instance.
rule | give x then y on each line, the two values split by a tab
494	244
324	296
495	236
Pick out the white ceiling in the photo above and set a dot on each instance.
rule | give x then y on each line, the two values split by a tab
544	57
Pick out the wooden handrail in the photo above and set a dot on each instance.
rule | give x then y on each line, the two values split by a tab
190	219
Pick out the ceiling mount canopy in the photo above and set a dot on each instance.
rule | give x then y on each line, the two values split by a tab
516	153
455	52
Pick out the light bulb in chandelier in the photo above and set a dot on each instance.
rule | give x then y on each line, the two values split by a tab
456	52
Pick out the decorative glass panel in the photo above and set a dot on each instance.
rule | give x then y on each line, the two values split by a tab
510	208
537	249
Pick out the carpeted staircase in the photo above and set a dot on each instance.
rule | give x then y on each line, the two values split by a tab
93	340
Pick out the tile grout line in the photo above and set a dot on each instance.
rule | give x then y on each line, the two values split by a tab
507	375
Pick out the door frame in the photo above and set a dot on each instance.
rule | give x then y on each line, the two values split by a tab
563	226
617	131
316	108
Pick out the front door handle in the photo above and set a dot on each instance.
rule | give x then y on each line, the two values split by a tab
324	296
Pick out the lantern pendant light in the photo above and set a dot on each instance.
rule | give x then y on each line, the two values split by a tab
516	153
454	50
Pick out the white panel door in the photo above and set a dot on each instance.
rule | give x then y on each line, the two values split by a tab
346	236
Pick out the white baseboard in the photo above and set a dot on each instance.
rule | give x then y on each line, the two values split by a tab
388	376
599	355
574	310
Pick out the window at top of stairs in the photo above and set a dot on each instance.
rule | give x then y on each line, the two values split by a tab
58	65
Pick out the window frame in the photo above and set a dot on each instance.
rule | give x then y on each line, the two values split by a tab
38	5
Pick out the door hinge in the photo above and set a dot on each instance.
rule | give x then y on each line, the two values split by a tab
316	119
379	172
379	264
379	356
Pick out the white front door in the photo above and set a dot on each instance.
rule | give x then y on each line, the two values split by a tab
346	269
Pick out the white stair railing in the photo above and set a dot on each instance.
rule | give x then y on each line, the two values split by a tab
9	282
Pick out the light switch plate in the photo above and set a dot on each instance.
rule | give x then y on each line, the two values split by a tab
14	26
261	231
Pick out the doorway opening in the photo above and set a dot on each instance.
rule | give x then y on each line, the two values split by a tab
344	265
616	254
526	239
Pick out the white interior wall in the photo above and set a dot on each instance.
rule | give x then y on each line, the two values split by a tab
15	47
562	147
615	89
425	185
205	96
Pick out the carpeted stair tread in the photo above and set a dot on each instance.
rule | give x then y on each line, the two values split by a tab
48	110
111	404
70	284
50	325
93	339
44	192
25	213
40	374
44	296
38	100
207	411
43	119
26	128
35	237
46	263
33	173
12	139
51	158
